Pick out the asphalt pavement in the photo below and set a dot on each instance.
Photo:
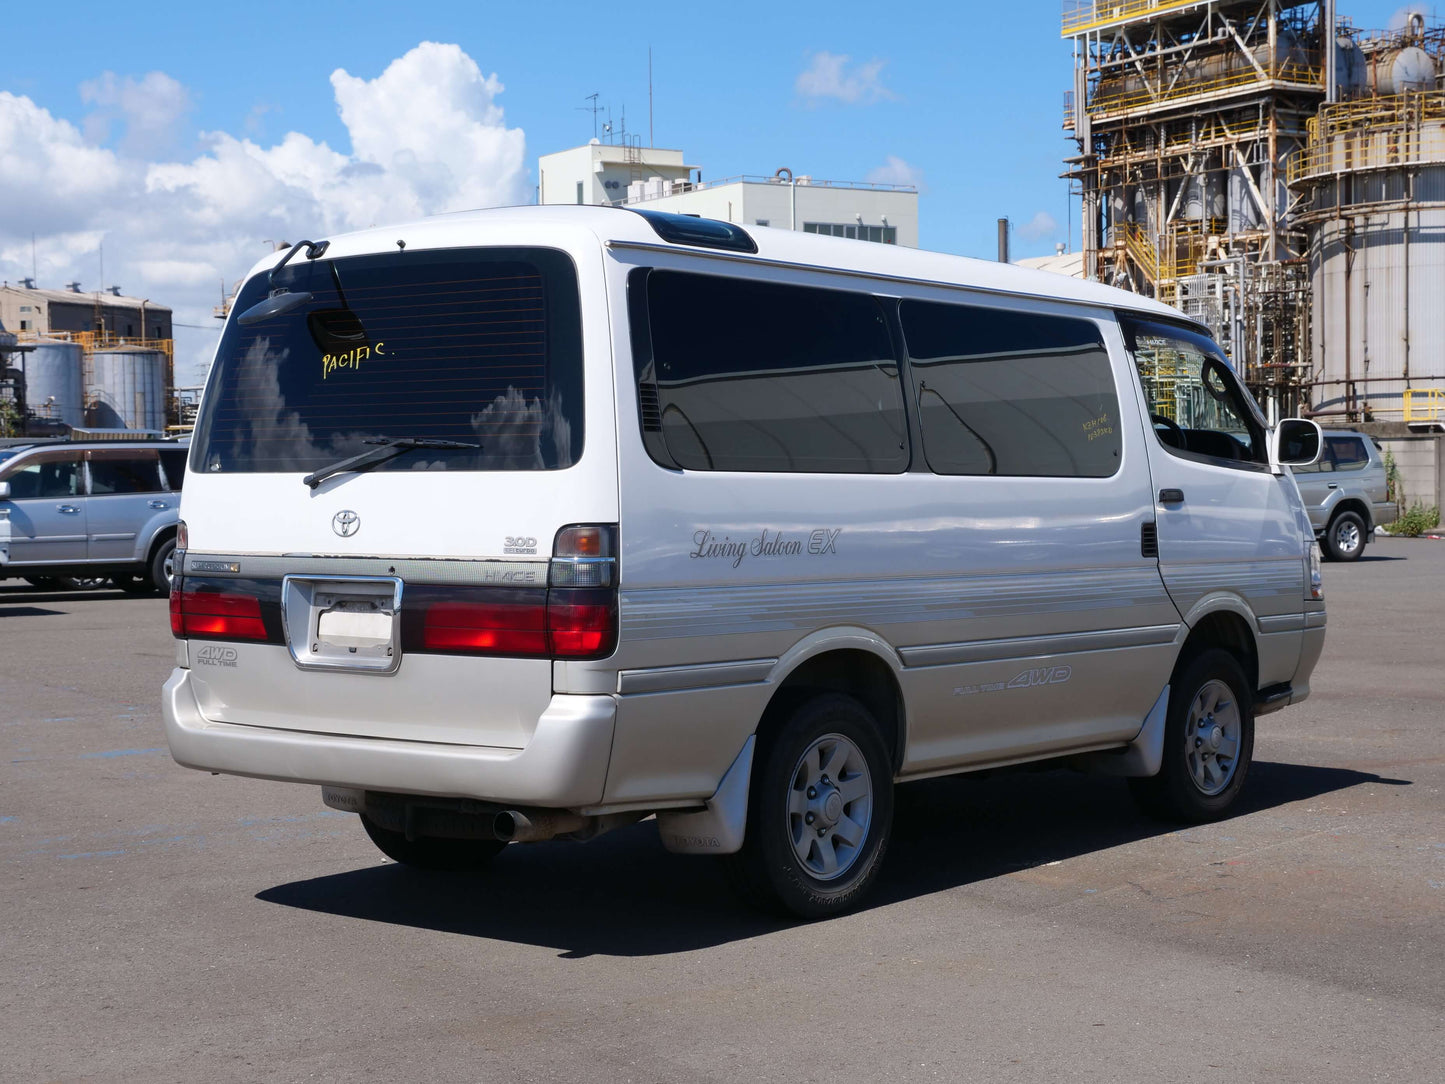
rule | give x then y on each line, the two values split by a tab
161	924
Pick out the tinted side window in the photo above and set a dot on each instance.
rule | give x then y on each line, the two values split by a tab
1011	393
756	376
52	478
1198	408
1349	452
174	463
130	475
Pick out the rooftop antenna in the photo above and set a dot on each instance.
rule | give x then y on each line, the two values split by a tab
33	273
594	109
650	142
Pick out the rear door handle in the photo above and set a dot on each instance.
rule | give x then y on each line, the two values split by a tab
1171	496
68	509
1332	485
159	504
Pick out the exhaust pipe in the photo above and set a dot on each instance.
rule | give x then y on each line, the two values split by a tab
514	826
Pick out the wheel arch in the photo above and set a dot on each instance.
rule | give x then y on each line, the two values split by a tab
1352	504
1224	622
855	662
161	535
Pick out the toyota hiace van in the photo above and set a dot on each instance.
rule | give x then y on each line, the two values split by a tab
526	524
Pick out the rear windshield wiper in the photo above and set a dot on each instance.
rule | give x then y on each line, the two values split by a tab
391	447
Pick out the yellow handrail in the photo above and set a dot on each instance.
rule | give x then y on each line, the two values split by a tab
1432	409
1104	104
1088	14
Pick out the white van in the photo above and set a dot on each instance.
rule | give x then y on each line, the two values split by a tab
525	524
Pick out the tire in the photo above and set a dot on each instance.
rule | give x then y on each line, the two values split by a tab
133	585
433	853
1345	537
1197	781
798	857
43	583
160	569
83	583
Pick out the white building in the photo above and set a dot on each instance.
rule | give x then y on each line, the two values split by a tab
659	179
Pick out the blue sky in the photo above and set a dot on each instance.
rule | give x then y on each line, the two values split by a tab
968	96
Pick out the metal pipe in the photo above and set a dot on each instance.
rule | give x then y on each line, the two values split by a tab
1003	240
514	825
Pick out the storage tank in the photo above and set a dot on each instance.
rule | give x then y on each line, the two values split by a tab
1377	276
127	389
1396	70
53	387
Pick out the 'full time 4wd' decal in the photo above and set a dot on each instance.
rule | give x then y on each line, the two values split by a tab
1039	675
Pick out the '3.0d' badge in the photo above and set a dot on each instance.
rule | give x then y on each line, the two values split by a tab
346	523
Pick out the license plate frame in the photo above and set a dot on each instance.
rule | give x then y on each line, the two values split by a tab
350	623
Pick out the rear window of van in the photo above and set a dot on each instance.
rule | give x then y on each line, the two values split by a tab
477	346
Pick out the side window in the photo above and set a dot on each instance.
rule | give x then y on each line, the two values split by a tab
124	475
1197	406
50	478
1349	453
737	375
174	463
1012	393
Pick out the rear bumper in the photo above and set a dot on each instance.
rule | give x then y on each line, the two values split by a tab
564	764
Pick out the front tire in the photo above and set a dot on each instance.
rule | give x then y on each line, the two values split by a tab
1208	742
431	852
1345	537
820	810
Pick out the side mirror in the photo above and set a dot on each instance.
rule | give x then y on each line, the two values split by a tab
1295	442
4	491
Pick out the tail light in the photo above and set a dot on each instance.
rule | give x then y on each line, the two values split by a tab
575	617
1316	589
582	624
488	628
216	615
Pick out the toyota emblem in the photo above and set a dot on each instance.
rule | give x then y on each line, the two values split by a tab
346	523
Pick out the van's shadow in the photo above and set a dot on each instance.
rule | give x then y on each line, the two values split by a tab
623	895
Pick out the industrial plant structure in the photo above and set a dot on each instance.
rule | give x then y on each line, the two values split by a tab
628	174
76	361
1269	169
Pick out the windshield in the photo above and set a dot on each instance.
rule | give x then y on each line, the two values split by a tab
475	346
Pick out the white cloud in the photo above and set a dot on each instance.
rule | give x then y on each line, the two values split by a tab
1042	225
151	109
895	170
829	76
427	136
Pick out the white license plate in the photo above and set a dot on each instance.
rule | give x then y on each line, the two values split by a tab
352	628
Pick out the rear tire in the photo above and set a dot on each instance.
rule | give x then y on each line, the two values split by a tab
1208	742
820	809
1345	537
162	567
433	853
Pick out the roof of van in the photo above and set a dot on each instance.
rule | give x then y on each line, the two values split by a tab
616	224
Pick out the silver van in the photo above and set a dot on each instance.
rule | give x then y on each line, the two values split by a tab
1346	494
527	524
